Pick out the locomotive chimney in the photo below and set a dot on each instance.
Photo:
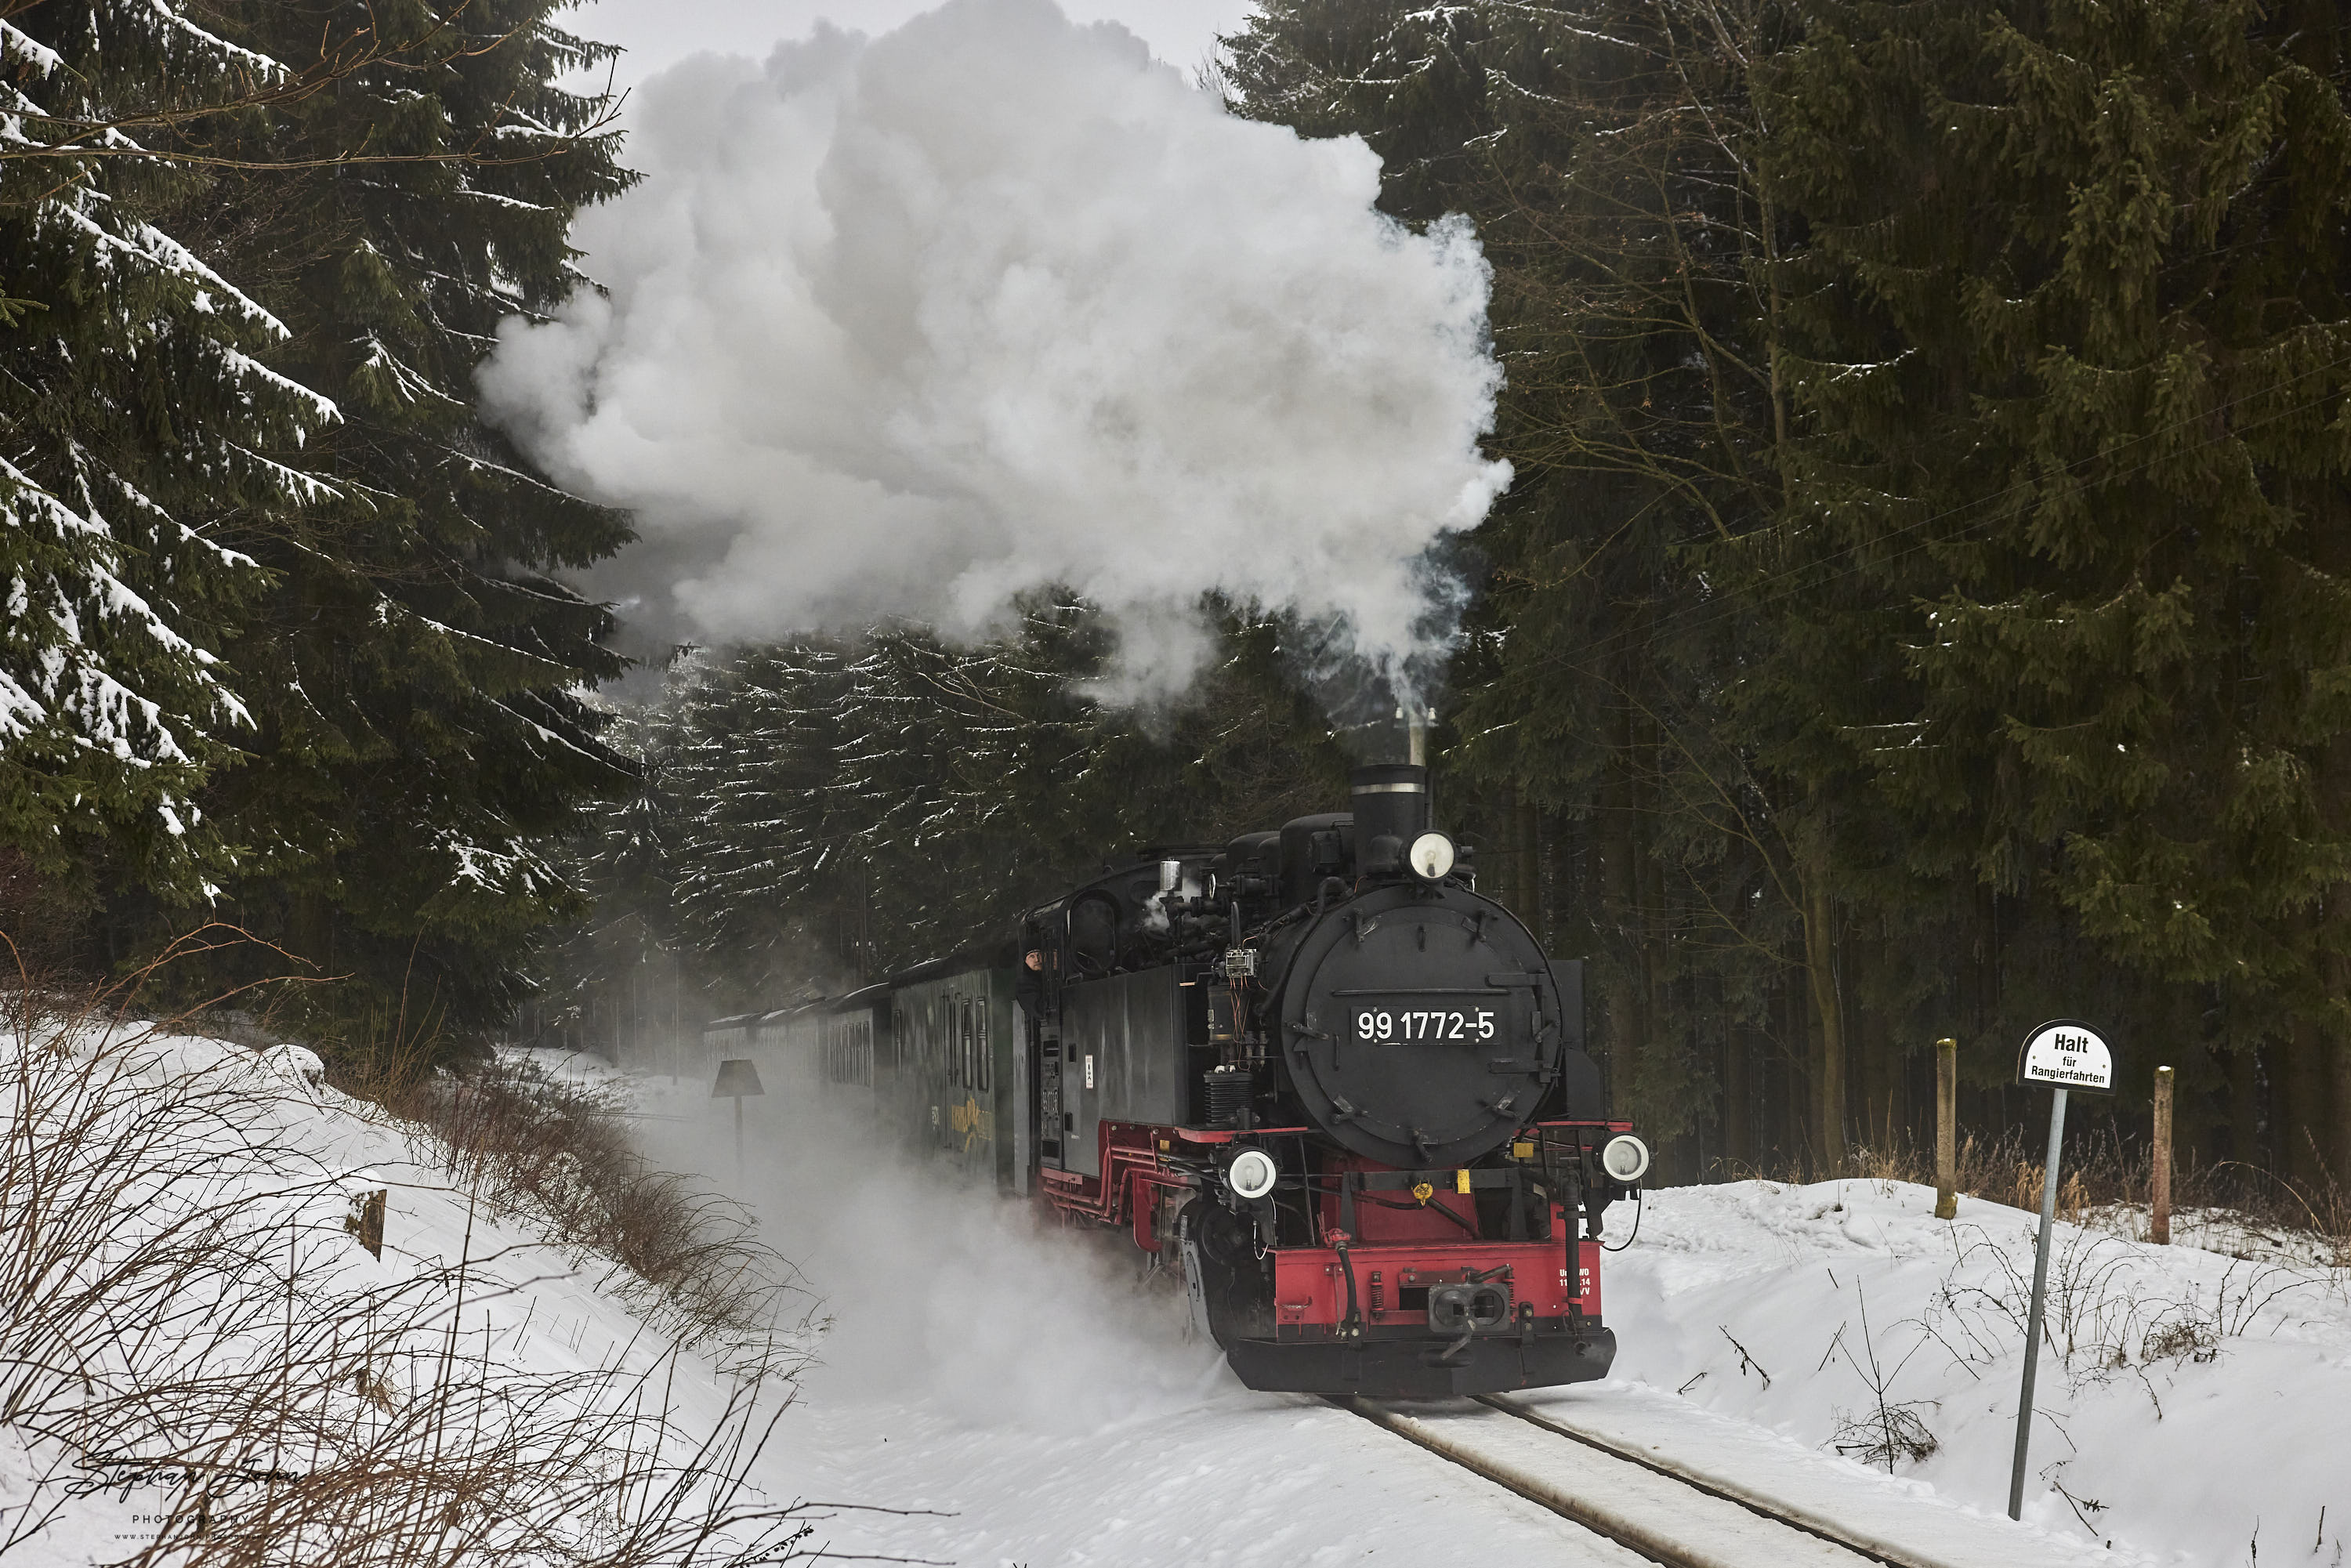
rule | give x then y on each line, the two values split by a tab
1391	805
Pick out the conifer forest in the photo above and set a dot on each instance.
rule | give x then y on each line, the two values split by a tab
1920	606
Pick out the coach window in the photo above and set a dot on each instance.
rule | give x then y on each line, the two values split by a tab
963	1039
980	1012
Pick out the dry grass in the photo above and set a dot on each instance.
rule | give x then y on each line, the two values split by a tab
181	1313
561	1156
2109	1180
2117	1310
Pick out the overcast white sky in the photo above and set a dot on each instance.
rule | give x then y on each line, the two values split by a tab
657	33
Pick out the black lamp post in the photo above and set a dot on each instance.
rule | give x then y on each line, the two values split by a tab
736	1078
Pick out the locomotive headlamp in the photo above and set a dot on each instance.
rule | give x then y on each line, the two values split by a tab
1626	1158
1251	1174
1430	857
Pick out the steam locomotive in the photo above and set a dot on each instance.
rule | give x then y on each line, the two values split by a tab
1313	1068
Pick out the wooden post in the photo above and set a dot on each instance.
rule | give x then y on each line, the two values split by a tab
2159	1225
1947	1129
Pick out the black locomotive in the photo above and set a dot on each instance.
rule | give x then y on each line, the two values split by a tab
1347	1092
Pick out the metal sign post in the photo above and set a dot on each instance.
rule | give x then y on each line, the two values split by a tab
2064	1055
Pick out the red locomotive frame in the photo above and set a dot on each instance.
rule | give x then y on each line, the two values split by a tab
1342	1290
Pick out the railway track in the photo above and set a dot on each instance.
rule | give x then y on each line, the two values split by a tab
1644	1504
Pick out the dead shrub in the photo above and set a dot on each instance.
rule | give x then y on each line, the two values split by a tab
1884	1434
2186	1337
561	1155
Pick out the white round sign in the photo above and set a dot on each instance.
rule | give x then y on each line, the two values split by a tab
2068	1053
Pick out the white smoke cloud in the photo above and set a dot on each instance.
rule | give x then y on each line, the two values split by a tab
939	1293
901	328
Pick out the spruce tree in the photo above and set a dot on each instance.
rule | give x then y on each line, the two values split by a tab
138	423
415	675
2075	340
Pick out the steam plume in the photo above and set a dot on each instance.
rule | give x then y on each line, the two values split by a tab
901	328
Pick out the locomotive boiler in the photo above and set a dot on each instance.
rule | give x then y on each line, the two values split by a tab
1345	1093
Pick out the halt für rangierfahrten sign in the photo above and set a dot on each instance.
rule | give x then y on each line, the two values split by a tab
2069	1054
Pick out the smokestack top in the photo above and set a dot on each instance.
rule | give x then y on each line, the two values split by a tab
1390	802
1389	778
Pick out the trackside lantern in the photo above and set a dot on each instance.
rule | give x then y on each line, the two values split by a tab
736	1078
2068	1054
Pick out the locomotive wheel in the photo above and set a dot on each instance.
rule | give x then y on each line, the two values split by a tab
1234	1284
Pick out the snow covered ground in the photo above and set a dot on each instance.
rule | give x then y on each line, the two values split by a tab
1026	1385
2191	1401
991	1392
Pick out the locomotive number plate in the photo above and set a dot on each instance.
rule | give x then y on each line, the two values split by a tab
1397	1025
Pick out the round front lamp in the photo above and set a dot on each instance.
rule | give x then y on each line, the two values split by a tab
1430	857
1626	1158
1251	1174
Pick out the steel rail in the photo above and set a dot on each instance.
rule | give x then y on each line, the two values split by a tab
1787	1513
1605	1516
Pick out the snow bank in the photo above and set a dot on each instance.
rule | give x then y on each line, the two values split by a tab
2190	1401
200	1356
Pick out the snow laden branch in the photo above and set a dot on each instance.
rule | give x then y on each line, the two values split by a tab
193	115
